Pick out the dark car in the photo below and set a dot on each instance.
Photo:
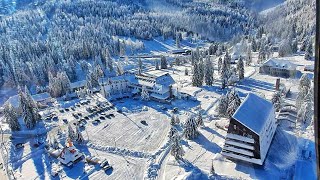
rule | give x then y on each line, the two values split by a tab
112	115
102	118
65	121
19	145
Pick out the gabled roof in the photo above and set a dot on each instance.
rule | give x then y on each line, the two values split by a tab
41	97
281	64
254	112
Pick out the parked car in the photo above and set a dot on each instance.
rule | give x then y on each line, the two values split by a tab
19	145
65	121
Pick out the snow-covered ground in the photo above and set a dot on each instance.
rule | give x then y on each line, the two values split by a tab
138	149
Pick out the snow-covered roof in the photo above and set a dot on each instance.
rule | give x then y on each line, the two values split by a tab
160	96
190	90
41	97
281	64
155	73
254	112
78	84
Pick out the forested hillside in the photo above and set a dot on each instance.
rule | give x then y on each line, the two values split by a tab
298	13
55	36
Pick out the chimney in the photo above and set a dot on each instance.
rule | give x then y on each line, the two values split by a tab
278	84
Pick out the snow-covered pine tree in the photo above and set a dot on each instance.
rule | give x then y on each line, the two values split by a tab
11	117
71	133
109	61
309	51
172	120
233	102
304	82
145	94
254	45
200	122
176	148
248	57
224	75
163	63
308	113
177	119
240	68
212	171
29	111
173	131
120	70
79	138
178	40
222	105
285	48
219	64
208	72
301	97
139	65
196	77
276	100
190	128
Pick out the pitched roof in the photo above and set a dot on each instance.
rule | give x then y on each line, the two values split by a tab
41	96
254	112
281	64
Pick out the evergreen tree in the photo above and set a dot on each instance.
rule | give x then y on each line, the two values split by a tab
224	74
240	68
173	131
78	136
304	82
254	45
139	65
190	128
219	65
233	102
71	133
200	122
309	51
209	72
212	171
222	105
249	57
157	65
276	100
178	40
301	97
176	148
177	119
11	117
29	111
196	77
109	62
163	63
172	120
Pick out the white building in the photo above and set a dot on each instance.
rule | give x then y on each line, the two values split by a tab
115	86
251	130
158	83
279	67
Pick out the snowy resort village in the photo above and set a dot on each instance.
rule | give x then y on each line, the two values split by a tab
165	108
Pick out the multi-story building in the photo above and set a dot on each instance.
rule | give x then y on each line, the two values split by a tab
251	130
279	67
157	83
